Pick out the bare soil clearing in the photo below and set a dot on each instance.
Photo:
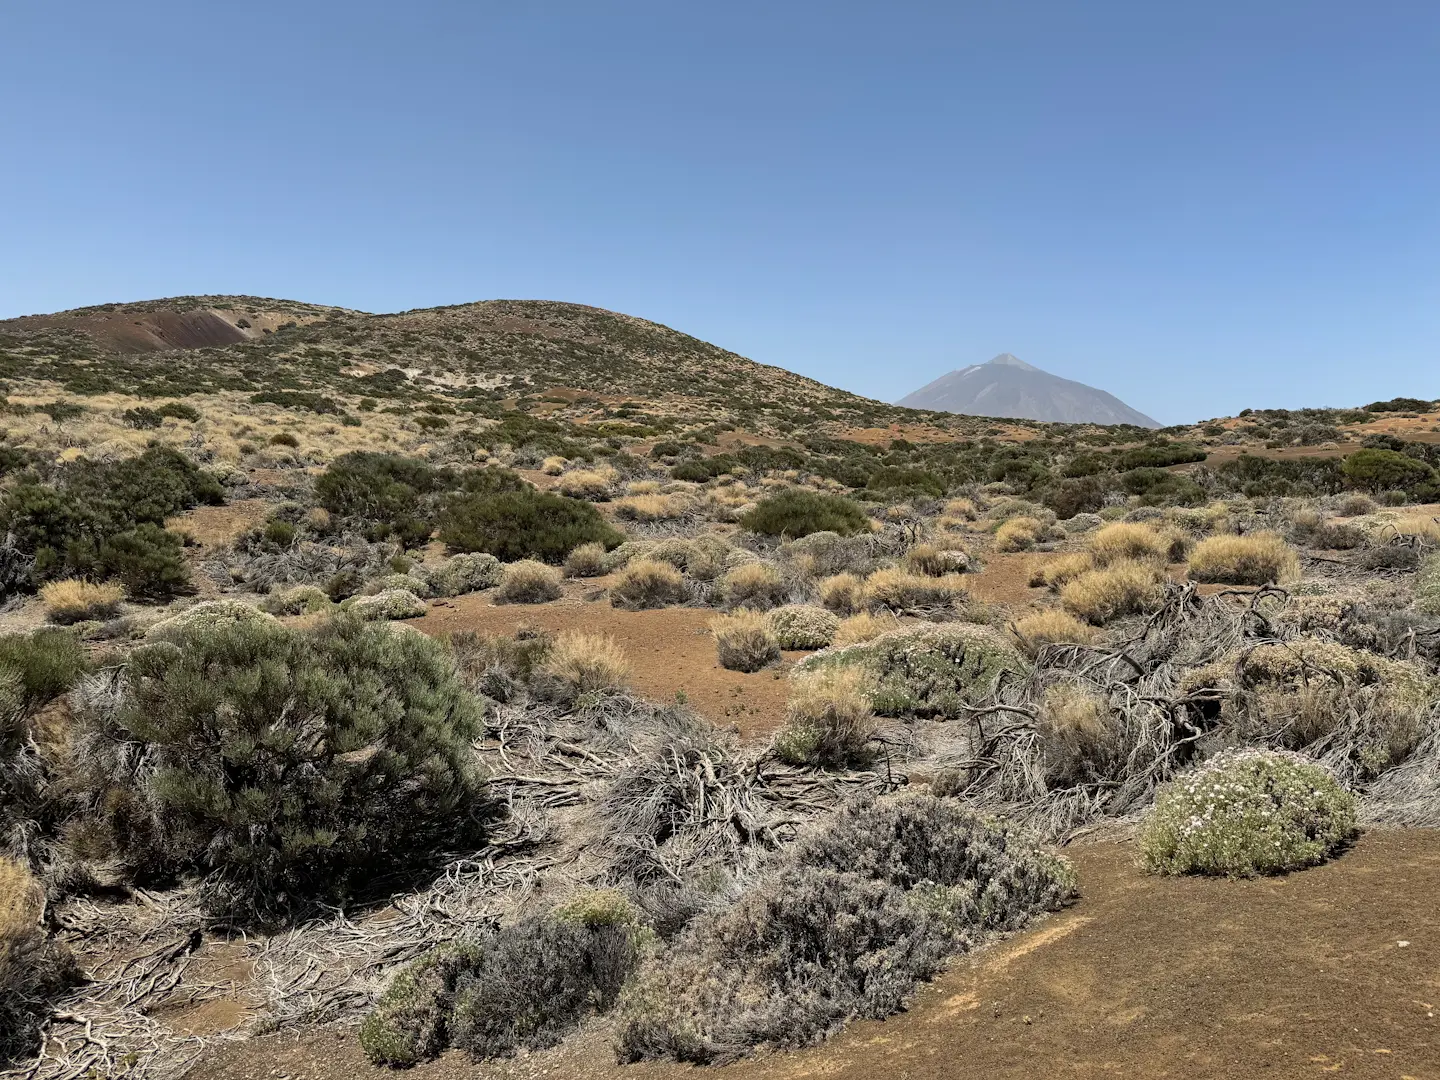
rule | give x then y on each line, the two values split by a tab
670	650
1333	970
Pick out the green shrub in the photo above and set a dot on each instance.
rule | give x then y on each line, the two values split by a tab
141	418
842	926
1385	470
465	573
180	411
386	604
797	512
1158	456
297	399
525	524
285	766
45	664
1247	813
148	561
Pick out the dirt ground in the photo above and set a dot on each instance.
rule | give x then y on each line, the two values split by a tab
1335	970
670	650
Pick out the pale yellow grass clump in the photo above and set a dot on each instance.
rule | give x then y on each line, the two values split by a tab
1053	573
648	583
1017	534
1123	588
593	484
1257	559
587	560
1051	626
21	901
651	507
828	719
1079	733
963	509
843	594
1423	527
899	590
936	561
754	585
1125	541
553	466
864	626
528	582
74	600
587	663
744	641
643	487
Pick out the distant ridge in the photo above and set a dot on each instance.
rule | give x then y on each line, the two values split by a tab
1009	387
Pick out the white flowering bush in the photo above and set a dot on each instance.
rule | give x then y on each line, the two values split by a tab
390	604
1247	813
803	626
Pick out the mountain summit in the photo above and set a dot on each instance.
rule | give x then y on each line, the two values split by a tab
1009	387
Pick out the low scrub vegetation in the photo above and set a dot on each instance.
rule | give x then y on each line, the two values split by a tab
796	513
1050	627
754	585
828	720
1248	813
1124	588
528	582
524	524
803	626
32	967
587	663
842	926
648	583
74	600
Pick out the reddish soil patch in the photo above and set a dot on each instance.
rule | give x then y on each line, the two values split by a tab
216	526
1005	579
670	650
1333	970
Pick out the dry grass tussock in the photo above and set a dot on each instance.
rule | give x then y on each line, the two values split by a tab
593	484
528	582
1124	541
843	593
894	589
1051	626
864	626
934	560
648	583
648	508
744	641
828	719
73	600
1422	527
1018	534
1082	737
1256	559
31	968
1053	573
587	663
1123	588
587	560
754	585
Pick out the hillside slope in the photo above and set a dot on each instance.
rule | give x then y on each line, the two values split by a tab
492	350
1007	386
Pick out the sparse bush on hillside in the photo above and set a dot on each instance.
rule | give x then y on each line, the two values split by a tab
1081	737
797	512
648	583
523	524
828	720
803	626
1256	559
73	600
301	600
147	560
284	766
587	560
1124	588
1385	470
744	641
842	927
528	582
1247	813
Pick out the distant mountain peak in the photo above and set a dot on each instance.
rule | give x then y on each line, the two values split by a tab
1008	387
1006	359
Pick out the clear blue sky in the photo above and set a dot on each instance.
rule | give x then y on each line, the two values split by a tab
1198	207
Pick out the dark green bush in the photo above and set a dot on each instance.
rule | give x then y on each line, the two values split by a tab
1083	495
147	560
1158	487
284	766
141	418
1399	404
46	664
1385	470
284	438
180	411
297	399
523	524
797	512
60	411
694	471
64	524
1158	456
